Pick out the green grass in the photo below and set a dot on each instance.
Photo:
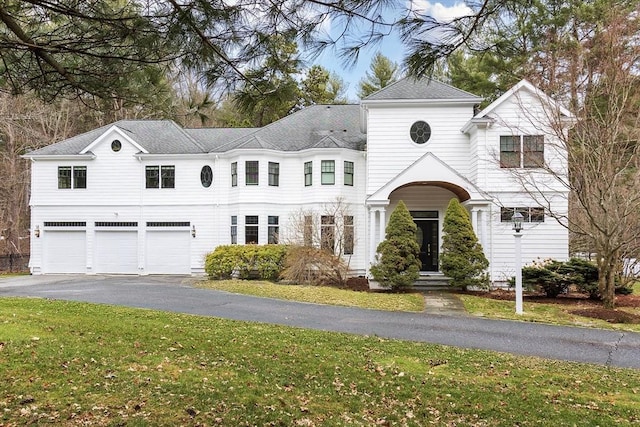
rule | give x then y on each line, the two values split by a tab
320	295
537	312
70	363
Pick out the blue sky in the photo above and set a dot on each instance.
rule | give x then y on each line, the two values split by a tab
391	46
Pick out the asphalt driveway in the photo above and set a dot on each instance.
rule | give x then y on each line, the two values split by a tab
175	293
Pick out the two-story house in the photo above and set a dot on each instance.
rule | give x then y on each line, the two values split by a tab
148	197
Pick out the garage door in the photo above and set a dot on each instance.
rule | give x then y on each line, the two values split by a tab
64	252
116	252
168	252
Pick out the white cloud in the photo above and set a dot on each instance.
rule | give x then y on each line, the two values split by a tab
439	11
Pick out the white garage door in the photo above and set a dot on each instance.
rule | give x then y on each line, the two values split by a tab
168	252
64	252
116	252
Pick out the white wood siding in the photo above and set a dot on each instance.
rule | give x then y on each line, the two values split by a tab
390	149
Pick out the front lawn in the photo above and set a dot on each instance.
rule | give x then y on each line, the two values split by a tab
320	294
70	363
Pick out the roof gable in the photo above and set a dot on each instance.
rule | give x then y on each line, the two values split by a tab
113	129
520	86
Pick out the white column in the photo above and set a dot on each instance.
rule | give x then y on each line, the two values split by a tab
372	235
518	262
474	220
383	223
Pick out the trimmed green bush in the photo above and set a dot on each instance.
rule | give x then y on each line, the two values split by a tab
398	262
554	277
462	258
247	261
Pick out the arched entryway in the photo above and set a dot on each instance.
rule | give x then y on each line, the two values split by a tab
427	201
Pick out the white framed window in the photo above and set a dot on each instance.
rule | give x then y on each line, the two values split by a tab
521	151
274	174
308	174
348	173
273	230
160	176
328	172
72	177
251	172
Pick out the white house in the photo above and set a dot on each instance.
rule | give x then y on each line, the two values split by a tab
148	197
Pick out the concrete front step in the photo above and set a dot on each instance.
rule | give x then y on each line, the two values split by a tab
432	282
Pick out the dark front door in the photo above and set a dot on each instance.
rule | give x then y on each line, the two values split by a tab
427	237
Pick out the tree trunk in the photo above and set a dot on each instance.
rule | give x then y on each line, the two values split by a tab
606	280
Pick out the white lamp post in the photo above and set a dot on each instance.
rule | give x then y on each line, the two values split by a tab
516	220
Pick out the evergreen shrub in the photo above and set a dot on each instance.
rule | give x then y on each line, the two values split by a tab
462	258
398	263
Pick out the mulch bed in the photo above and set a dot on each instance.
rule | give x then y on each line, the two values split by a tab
577	304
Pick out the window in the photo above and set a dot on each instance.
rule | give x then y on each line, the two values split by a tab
206	176
168	176
160	176
152	174
308	230
420	132
308	174
234	174
348	173
251	229
66	173
328	172
348	235
533	151
234	230
535	214
251	172
116	145
64	176
327	232
273	230
79	177
518	151
274	174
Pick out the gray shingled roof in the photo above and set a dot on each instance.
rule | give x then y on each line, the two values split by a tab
156	136
318	126
410	88
212	138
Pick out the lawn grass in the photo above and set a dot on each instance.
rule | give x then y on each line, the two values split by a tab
320	295
537	312
70	363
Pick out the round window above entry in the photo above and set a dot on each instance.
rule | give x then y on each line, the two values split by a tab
206	176
420	132
116	145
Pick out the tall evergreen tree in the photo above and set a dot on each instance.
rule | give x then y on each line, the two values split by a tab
398	254
461	257
382	72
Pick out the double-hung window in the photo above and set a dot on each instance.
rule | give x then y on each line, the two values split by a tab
327	233
251	169
273	230
521	151
274	174
234	174
72	177
348	173
328	172
160	176
349	234
308	174
251	229
234	230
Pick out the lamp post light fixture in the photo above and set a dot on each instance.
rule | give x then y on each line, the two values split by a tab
516	220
